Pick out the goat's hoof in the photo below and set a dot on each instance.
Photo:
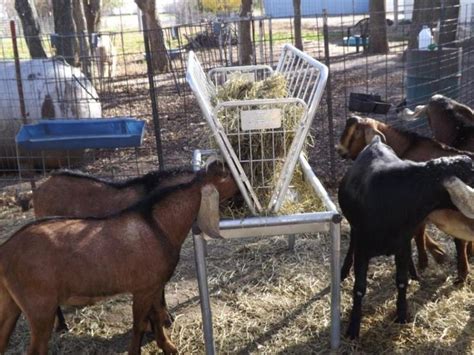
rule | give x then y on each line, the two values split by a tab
353	332
61	328
422	264
168	319
168	322
459	281
401	320
414	275
169	348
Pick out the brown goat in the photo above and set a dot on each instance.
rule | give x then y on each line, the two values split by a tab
75	194
58	260
451	122
408	145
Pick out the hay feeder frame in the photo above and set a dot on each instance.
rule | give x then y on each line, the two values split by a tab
328	221
306	79
261	120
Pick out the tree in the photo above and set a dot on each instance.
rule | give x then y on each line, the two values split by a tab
378	43
425	12
92	13
245	39
297	24
152	25
83	38
64	26
31	29
449	17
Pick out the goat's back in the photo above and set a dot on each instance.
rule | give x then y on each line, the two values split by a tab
382	194
80	197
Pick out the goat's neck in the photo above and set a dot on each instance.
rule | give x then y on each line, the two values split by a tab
395	139
176	213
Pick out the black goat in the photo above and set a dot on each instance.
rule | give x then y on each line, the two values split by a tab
377	179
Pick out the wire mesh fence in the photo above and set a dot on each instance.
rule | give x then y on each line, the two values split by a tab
114	71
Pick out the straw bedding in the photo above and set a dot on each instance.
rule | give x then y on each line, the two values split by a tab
266	300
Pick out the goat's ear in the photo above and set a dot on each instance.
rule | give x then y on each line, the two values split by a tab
208	216
465	113
370	132
462	195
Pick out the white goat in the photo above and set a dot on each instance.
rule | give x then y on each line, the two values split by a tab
106	56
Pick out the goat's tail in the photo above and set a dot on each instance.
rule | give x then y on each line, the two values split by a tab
409	115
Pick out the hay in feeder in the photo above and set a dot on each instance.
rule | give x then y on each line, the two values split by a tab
262	151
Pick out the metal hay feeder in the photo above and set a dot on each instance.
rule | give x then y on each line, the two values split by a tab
306	79
261	120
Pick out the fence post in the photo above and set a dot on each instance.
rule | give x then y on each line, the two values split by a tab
329	95
154	103
19	83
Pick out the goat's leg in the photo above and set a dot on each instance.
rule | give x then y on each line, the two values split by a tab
402	261
470	249
462	262
423	241
41	320
61	325
420	240
168	317
141	307
361	264
159	314
348	260
9	313
435	250
412	269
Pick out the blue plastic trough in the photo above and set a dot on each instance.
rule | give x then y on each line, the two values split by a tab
81	134
355	41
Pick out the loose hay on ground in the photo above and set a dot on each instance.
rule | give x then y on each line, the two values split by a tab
267	299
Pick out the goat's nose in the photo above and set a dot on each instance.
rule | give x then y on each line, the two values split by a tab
341	150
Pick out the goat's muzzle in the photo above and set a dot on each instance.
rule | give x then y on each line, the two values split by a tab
342	151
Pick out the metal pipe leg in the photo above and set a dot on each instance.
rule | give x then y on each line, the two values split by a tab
291	242
199	252
335	231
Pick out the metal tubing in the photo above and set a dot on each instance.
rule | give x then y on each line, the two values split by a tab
329	96
275	221
19	83
256	102
316	184
199	252
291	63
291	242
242	68
154	103
197	157
335	231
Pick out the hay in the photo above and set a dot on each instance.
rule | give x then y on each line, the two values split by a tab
262	153
268	300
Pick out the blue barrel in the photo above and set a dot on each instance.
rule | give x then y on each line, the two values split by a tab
432	72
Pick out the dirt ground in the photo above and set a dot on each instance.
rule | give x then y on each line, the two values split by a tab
265	298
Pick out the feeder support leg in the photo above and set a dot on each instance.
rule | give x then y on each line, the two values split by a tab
291	242
335	231
199	252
